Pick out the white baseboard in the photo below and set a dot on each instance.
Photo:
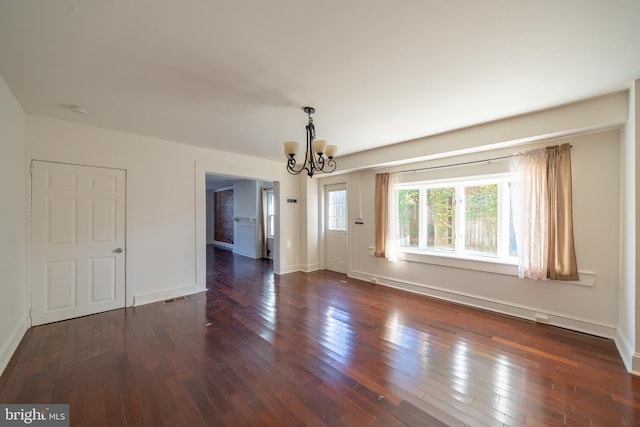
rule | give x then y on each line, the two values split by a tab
223	244
11	344
289	269
562	320
252	255
635	364
626	352
311	267
150	297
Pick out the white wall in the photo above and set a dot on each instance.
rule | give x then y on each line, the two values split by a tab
590	307
246	219
309	237
13	303
634	122
166	199
627	337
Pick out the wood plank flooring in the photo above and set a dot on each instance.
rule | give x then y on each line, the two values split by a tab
317	349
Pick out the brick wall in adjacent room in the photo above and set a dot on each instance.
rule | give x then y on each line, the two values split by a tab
223	208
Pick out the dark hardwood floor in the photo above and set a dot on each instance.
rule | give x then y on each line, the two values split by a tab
317	349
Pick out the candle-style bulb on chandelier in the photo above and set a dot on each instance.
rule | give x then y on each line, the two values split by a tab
319	157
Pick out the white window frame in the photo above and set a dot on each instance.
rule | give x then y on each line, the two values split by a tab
270	213
422	253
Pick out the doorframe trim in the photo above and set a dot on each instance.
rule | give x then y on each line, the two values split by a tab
324	183
202	168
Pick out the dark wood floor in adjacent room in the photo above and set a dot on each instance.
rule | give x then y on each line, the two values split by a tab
317	349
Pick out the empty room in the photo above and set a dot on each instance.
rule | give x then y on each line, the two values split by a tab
414	213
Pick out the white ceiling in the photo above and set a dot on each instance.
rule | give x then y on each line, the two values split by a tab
233	74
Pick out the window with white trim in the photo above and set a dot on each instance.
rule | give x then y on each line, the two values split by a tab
271	222
467	218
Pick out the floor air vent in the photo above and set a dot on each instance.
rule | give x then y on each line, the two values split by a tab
167	301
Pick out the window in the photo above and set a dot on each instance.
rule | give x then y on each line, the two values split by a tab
467	218
337	210
270	213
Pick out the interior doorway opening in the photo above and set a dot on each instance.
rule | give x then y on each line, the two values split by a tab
240	219
240	215
246	217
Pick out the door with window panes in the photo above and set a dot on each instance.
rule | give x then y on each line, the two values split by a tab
336	228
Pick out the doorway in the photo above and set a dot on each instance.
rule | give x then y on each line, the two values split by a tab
335	224
77	240
240	215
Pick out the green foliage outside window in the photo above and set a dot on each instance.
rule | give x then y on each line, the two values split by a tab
408	210
481	218
441	205
459	216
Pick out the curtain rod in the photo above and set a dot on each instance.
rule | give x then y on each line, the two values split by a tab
470	162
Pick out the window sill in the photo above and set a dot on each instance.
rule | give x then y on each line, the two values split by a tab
490	265
487	265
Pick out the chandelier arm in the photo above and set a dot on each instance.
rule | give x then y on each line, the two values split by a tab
291	166
328	165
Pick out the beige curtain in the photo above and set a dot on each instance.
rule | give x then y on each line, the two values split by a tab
543	214
562	263
530	214
382	213
386	211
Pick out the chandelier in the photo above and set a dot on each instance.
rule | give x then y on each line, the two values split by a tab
318	156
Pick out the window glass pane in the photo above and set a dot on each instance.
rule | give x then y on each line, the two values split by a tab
481	219
270	225
337	210
270	210
441	218
428	217
408	217
270	214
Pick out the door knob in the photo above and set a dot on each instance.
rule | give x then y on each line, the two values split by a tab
118	251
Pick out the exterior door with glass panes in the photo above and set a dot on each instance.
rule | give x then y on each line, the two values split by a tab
336	254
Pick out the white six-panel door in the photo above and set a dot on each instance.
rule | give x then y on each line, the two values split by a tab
77	241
